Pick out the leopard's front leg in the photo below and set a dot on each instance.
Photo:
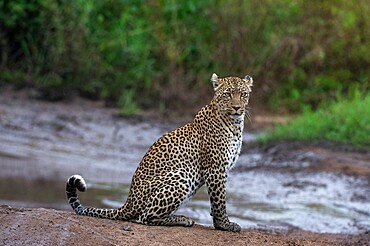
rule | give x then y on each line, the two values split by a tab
216	185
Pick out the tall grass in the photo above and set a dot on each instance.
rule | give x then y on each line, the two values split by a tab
345	121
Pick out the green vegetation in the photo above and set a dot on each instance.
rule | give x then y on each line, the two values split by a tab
345	121
141	54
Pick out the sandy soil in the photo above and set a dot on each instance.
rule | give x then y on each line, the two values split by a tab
39	226
51	227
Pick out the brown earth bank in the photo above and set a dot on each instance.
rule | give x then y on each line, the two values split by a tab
41	226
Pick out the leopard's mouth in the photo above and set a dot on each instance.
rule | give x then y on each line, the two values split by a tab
234	112
237	114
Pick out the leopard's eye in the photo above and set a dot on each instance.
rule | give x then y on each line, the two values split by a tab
244	94
227	94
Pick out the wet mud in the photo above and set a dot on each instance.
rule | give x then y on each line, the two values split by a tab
319	187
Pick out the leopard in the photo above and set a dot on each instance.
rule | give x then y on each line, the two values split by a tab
180	162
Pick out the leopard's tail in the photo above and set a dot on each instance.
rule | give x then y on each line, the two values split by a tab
76	182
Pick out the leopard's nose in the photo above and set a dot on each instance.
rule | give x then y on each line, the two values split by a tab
236	108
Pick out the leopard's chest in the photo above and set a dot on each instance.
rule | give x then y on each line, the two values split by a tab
233	142
223	141
233	150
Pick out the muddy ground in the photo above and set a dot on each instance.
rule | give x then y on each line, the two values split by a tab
52	227
35	133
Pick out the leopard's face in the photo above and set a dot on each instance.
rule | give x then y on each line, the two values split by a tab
232	94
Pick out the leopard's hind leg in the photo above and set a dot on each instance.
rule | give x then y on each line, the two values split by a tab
162	205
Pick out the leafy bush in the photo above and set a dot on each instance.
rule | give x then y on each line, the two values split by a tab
154	53
325	52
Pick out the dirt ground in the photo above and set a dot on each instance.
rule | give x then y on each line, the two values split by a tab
52	227
39	226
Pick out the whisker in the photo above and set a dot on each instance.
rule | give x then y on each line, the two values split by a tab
248	115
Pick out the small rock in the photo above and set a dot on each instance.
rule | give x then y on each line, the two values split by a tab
126	228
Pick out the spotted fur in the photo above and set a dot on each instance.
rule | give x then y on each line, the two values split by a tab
180	162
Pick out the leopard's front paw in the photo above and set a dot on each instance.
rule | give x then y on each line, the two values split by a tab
227	226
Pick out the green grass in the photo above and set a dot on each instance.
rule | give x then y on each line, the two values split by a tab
345	121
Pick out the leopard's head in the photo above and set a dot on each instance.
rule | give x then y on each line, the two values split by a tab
232	94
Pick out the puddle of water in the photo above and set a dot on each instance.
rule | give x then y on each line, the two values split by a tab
319	202
20	192
327	203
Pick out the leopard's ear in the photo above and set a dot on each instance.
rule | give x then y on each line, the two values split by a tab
215	81
249	82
